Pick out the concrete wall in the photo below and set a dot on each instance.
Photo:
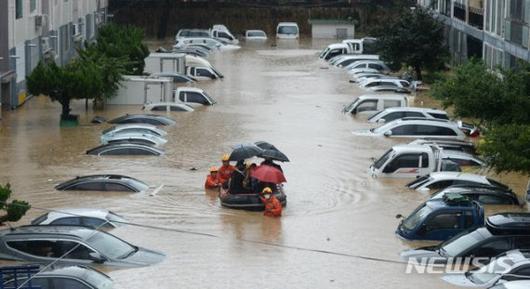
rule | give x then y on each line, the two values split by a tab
330	30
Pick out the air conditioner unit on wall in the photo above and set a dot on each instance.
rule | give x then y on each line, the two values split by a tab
45	44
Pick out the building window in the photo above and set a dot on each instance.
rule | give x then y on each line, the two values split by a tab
18	9
32	5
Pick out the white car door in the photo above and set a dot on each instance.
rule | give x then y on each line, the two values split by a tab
406	165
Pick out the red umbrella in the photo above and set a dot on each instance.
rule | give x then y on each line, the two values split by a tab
268	174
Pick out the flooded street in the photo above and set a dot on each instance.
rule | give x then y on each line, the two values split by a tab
337	230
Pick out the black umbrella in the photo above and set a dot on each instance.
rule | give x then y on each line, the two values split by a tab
266	146
274	155
245	151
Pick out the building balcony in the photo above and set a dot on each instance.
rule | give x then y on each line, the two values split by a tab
459	11
476	17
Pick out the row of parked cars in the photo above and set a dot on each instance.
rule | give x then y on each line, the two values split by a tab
439	150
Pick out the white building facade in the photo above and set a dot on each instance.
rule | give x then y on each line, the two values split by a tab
495	30
33	30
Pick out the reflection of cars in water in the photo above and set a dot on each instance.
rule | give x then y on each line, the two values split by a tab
114	183
441	219
68	277
287	30
510	266
502	233
86	217
125	148
76	245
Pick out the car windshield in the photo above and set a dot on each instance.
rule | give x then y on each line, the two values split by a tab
418	182
374	116
256	34
382	160
486	274
110	246
417	217
458	245
288	30
351	106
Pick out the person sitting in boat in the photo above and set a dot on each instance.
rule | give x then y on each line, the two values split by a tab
237	178
273	207
250	183
212	180
226	170
270	162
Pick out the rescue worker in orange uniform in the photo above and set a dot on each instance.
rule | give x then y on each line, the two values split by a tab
225	171
212	180
273	207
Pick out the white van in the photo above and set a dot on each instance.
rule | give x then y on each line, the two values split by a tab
372	103
287	30
222	32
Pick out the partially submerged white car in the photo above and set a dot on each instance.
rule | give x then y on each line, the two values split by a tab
372	103
407	161
394	82
287	30
168	107
144	138
416	128
192	95
393	113
441	180
255	35
135	128
86	217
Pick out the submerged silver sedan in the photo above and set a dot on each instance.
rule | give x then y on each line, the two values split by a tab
72	245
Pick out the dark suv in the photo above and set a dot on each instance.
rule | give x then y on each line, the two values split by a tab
503	232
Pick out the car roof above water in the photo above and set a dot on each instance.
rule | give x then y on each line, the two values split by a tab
75	232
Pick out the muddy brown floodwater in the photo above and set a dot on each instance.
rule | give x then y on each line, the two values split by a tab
281	94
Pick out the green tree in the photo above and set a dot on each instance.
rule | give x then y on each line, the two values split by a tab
115	41
507	148
15	209
413	39
108	69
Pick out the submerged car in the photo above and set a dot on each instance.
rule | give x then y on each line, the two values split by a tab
143	118
145	138
416	128
393	113
168	107
373	103
75	246
502	233
409	160
441	180
85	217
287	30
255	35
510	266
125	148
67	277
192	95
114	183
135	128
176	77
448	144
442	219
519	284
486	195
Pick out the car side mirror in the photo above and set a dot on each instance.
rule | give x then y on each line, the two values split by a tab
388	133
423	190
97	258
381	120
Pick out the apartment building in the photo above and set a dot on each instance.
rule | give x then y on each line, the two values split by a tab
32	30
494	30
